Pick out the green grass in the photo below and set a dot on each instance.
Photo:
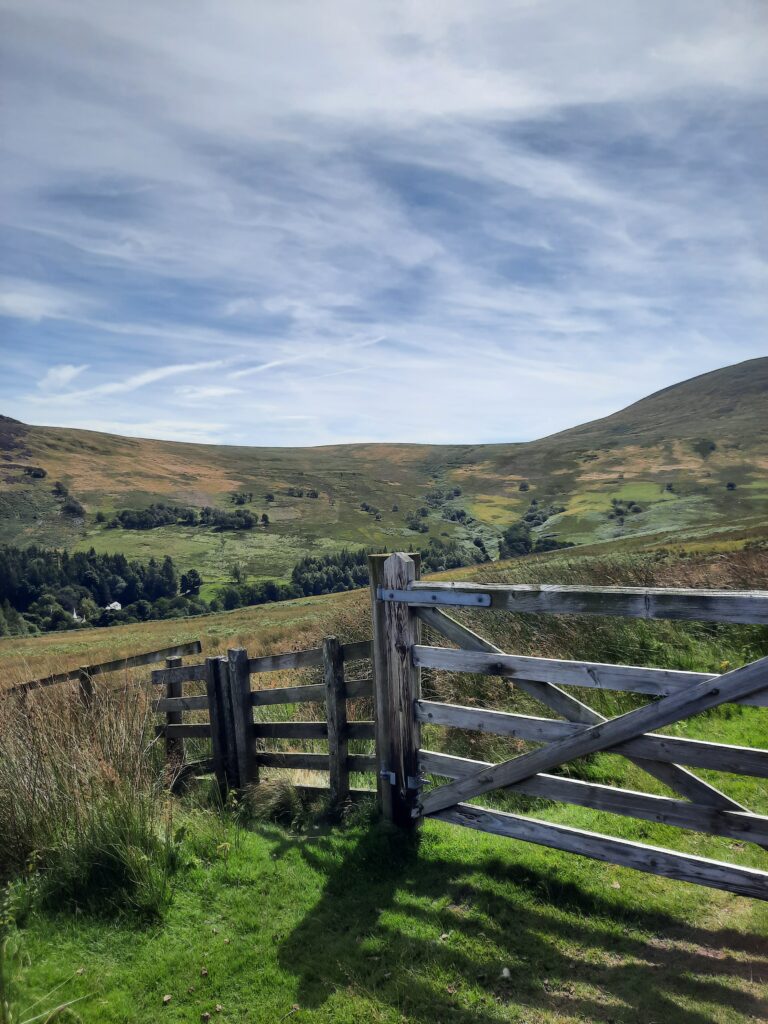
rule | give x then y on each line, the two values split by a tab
356	924
361	926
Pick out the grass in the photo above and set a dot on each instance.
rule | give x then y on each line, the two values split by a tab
360	926
355	924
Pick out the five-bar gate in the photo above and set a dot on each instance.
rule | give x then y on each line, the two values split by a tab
401	603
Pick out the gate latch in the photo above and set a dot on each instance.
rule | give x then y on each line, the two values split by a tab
386	774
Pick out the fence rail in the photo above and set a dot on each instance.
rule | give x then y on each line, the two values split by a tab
104	667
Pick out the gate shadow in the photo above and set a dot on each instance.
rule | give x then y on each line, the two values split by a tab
367	934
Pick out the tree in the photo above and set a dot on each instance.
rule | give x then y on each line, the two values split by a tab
100	517
169	578
191	582
515	541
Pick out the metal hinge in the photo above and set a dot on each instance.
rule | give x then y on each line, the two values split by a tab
413	781
416	781
429	598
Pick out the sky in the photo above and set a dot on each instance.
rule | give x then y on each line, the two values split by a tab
296	223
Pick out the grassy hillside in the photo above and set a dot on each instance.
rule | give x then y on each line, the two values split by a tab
658	469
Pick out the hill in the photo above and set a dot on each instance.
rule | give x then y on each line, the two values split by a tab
686	462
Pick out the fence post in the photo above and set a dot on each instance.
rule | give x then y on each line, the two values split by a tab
336	714
174	745
239	680
215	714
397	684
85	687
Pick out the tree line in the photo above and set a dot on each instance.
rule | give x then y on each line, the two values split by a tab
160	514
42	589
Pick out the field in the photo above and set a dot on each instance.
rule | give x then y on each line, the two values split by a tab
351	923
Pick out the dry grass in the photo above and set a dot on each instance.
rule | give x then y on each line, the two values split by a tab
82	805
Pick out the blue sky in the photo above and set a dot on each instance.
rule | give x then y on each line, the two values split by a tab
303	223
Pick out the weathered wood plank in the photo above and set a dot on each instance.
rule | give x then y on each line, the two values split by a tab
747	606
361	730
293	759
357	688
651	859
721	757
310	730
701	697
291	730
360	650
292	659
196	703
678	779
133	661
182	674
312	693
628	803
336	719
198	730
174	746
402	633
311	761
657	682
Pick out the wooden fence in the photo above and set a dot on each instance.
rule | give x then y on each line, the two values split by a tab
410	779
86	674
402	603
237	742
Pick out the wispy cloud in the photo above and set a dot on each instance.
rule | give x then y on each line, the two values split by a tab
527	219
58	377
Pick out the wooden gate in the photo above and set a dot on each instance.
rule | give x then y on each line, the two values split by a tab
401	604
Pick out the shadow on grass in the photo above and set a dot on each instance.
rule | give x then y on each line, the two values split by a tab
430	936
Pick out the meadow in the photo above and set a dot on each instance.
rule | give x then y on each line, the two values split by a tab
267	910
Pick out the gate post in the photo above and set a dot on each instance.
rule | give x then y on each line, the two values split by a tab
213	688
336	716
239	692
397	686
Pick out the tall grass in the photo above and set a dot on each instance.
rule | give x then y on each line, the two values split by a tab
82	804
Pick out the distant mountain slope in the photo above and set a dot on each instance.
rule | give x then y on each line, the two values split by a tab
688	461
732	400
